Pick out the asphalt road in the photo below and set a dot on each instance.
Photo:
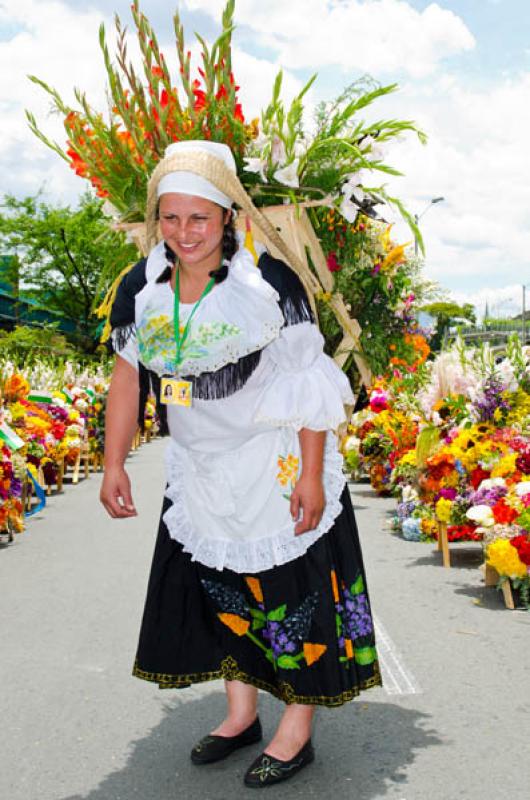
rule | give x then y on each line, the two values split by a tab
453	721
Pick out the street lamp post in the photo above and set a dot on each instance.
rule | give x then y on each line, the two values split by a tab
417	218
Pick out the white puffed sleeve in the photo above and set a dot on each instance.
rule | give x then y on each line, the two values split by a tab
307	389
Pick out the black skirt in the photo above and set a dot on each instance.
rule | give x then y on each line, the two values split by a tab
302	631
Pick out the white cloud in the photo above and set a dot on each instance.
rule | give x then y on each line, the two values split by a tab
503	303
382	36
476	159
60	46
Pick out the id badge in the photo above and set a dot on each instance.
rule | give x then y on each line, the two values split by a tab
175	393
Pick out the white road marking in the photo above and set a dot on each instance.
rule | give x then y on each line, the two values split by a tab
397	679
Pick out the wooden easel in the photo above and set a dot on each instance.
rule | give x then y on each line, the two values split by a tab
443	543
491	578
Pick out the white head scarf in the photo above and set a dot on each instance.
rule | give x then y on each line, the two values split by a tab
188	182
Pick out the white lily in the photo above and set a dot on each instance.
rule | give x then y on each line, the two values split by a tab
348	209
255	165
288	175
300	148
371	150
353	184
278	154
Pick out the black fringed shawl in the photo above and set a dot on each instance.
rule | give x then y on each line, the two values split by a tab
223	382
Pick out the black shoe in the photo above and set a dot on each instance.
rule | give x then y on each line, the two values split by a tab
214	748
266	770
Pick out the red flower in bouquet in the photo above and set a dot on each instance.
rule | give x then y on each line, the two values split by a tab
378	402
522	545
477	476
463	533
441	465
365	429
523	463
58	430
503	513
333	264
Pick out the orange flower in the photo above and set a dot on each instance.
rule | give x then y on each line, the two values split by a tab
335	586
255	587
237	624
16	386
349	648
312	652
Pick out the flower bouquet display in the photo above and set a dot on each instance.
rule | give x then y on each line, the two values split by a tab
317	190
469	473
383	436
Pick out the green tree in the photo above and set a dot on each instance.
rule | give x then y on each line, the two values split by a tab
446	315
66	256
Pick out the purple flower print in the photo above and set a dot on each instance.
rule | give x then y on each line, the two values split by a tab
278	639
356	615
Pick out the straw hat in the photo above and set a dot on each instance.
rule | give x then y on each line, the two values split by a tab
215	169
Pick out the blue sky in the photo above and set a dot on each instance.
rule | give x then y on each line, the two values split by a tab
464	74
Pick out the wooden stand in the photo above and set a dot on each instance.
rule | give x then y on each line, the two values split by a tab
97	461
491	578
137	440
443	543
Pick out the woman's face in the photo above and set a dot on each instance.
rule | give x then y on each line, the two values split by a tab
193	228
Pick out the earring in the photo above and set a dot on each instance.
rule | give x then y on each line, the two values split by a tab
234	214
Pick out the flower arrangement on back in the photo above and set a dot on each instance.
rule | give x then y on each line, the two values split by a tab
335	168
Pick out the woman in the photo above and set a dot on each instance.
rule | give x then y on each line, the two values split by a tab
257	574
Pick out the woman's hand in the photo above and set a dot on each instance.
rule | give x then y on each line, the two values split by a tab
115	493
308	496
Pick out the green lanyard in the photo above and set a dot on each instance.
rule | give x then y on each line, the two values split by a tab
180	340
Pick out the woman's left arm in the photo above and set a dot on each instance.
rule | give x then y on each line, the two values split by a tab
308	494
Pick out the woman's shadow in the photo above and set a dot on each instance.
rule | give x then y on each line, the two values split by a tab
362	750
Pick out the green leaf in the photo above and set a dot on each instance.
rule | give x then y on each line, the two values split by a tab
257	613
277	87
358	586
277	614
365	655
258	624
288	662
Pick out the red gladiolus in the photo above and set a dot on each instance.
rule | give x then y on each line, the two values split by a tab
158	72
238	112
222	94
332	263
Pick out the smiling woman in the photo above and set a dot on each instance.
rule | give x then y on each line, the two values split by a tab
257	554
193	228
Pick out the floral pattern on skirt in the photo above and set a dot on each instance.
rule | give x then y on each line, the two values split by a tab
302	631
